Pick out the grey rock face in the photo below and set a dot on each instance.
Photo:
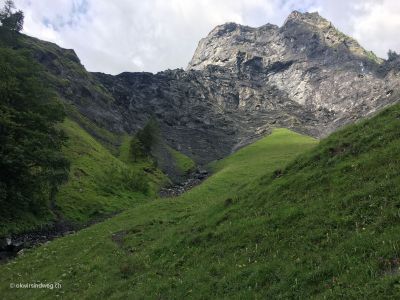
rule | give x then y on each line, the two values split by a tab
205	114
241	83
309	60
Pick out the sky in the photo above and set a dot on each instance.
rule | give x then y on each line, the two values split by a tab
113	36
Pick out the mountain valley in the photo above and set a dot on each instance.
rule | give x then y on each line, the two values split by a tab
268	168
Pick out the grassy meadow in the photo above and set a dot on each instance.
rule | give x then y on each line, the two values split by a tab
284	218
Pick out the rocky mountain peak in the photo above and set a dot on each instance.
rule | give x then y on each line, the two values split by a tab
310	26
302	35
309	18
225	42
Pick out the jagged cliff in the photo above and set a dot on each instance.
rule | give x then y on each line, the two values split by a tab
241	82
307	59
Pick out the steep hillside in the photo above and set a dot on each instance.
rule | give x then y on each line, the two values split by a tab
99	184
323	226
270	153
54	173
102	181
64	72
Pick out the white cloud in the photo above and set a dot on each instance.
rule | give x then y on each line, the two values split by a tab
153	35
379	29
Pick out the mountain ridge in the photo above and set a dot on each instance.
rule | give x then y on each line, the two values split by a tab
257	79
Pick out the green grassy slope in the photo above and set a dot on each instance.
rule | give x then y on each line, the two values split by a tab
152	247
99	183
107	139
233	173
326	225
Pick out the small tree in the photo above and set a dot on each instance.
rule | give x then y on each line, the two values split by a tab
8	8
136	150
11	19
149	135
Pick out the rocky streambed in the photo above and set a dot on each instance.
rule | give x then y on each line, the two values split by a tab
178	189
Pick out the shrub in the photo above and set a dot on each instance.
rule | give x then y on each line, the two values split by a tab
120	178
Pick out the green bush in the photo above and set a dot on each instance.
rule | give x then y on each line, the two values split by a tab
118	179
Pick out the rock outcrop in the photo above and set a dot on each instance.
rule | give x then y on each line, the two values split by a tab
241	83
